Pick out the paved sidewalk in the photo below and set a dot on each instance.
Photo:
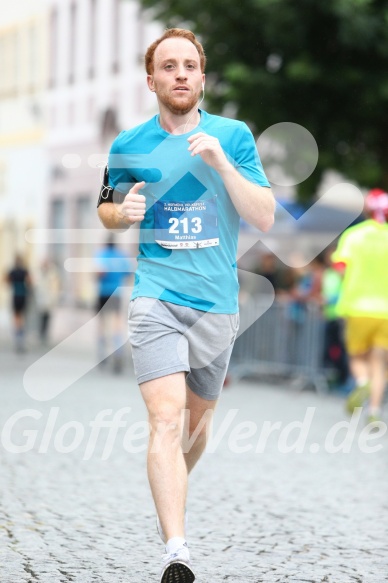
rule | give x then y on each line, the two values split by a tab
255	516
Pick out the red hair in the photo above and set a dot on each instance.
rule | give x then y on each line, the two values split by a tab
174	33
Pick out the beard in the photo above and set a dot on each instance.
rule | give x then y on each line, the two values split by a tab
178	104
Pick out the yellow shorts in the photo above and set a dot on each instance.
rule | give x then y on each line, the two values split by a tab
362	334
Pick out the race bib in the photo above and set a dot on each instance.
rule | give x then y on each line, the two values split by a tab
186	225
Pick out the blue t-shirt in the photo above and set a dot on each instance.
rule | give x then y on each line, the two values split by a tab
188	210
113	266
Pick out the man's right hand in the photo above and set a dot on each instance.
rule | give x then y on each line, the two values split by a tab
134	206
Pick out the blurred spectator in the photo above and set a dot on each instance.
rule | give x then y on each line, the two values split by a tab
113	268
362	255
306	291
335	357
46	296
268	267
285	282
307	288
19	280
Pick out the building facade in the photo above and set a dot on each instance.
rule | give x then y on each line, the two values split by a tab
96	88
23	155
72	77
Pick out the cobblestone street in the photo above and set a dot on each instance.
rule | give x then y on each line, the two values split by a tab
76	507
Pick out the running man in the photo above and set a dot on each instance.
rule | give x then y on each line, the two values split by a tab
362	254
20	282
186	176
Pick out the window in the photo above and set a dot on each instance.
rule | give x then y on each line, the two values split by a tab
92	38
91	105
53	116
57	214
140	36
32	52
73	40
53	46
71	114
116	36
15	60
58	221
83	212
2	60
3	177
7	62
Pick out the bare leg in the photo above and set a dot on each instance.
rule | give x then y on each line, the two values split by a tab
19	326
19	321
378	367
359	366
199	415
165	399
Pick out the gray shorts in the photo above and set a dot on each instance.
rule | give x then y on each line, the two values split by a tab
168	338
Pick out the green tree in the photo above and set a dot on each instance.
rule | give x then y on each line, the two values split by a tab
321	64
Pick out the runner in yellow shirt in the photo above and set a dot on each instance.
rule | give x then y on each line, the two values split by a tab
362	253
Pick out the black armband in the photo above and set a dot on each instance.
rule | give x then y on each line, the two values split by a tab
107	193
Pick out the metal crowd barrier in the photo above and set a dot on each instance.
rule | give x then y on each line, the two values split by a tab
286	341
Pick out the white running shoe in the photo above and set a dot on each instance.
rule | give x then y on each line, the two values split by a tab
177	567
160	529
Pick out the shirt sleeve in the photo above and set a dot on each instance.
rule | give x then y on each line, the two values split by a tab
118	168
343	253
248	161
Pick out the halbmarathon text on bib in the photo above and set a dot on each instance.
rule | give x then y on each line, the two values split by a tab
186	225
